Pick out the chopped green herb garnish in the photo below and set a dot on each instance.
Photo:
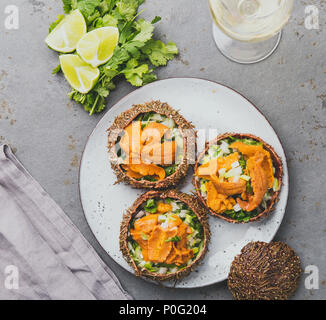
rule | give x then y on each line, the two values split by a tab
148	178
170	169
249	189
151	206
173	239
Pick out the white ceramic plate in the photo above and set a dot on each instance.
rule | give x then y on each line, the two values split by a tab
208	105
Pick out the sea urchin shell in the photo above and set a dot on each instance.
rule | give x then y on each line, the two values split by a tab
193	203
277	163
264	271
189	144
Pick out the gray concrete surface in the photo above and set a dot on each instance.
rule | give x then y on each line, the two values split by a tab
49	132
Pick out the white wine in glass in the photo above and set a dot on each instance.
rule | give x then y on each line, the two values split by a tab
249	31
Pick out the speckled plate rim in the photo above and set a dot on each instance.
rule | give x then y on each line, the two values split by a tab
116	106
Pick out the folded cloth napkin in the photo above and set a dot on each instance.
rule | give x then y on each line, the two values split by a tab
42	254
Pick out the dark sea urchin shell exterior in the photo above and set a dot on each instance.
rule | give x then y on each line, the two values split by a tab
265	271
193	203
277	162
125	118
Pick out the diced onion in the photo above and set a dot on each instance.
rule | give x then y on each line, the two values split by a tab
183	213
244	177
236	178
140	214
165	224
222	172
206	159
224	147
157	117
234	172
179	141
212	152
235	164
142	263
161	218
169	122
138	253
237	207
162	270
174	206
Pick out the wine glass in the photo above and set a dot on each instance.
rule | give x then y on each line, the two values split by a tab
249	31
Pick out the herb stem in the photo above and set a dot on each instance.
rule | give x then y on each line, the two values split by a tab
94	105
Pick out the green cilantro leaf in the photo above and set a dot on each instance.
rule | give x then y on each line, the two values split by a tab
120	56
104	6
127	8
87	7
67	5
145	29
134	73
149	77
107	21
156	19
159	53
151	206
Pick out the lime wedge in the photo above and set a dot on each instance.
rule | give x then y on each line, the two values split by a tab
78	73
65	36
96	47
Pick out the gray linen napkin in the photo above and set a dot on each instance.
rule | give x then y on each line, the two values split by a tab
37	239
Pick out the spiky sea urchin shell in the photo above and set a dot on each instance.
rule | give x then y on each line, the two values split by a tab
189	139
265	271
277	162
193	203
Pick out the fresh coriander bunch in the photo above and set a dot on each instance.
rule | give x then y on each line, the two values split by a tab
135	56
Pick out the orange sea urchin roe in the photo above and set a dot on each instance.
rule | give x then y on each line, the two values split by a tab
250	151
259	182
228	188
260	167
220	191
154	133
130	141
145	151
143	169
163	207
159	153
158	246
214	165
154	239
216	201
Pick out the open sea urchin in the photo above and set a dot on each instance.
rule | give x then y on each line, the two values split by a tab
238	177
164	235
141	139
